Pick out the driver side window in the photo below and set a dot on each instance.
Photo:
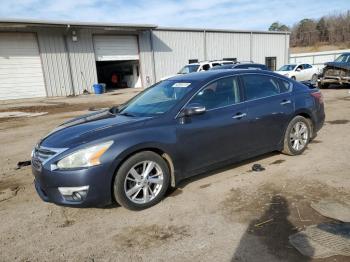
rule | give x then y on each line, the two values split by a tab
218	94
300	67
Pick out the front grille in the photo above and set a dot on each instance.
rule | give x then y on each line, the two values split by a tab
335	72
44	154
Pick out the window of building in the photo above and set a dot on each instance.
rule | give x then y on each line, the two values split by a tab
192	61
220	93
271	62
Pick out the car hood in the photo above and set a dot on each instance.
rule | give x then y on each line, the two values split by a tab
339	65
89	127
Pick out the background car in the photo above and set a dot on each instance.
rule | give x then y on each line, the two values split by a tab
200	66
299	72
175	129
241	66
337	72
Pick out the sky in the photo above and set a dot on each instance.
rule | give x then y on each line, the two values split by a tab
225	14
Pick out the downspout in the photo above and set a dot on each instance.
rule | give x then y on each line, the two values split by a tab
251	47
153	58
205	45
68	60
287	49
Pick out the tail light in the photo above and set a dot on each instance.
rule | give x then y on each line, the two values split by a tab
318	96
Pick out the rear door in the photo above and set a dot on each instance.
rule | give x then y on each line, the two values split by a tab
270	106
221	132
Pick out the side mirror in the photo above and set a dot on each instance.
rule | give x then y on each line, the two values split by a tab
193	109
298	70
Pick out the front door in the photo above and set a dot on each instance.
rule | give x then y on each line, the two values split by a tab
218	134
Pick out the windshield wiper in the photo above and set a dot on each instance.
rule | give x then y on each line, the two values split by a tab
126	114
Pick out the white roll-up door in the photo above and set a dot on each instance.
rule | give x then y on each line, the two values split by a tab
21	73
116	47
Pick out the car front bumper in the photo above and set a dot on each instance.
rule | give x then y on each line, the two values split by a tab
335	80
81	188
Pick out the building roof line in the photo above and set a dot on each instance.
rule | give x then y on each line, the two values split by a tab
60	23
164	28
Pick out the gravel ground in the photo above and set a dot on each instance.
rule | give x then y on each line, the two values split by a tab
231	214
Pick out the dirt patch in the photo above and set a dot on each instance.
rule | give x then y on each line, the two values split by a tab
9	183
177	192
246	206
205	185
338	122
315	141
275	212
277	162
148	236
67	223
9	189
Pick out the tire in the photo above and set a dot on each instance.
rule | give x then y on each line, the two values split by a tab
295	143
142	193
323	86
293	78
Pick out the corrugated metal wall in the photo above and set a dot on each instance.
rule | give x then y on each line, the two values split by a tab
146	59
54	59
82	60
173	49
228	45
270	45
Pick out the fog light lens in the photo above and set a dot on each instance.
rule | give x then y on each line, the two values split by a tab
74	193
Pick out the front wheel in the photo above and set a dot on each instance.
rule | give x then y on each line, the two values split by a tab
141	181
297	136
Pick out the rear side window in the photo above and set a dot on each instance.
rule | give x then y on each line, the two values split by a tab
259	86
218	94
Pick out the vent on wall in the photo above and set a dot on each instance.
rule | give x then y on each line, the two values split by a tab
192	61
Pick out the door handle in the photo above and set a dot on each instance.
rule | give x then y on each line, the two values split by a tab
285	102
239	115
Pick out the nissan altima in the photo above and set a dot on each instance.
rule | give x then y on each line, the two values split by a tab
175	129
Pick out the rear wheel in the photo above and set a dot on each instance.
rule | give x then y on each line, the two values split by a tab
141	181
297	136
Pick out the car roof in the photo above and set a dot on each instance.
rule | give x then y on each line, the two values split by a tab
214	74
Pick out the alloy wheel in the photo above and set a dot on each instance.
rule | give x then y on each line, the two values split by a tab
143	182
299	136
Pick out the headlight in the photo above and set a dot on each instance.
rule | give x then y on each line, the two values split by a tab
85	157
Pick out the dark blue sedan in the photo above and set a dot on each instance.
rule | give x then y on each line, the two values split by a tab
173	130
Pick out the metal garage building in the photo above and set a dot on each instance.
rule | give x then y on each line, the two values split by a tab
51	58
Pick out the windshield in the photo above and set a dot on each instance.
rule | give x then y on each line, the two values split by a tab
287	68
189	69
157	99
343	59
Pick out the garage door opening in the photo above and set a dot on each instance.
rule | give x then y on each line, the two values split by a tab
117	61
119	74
